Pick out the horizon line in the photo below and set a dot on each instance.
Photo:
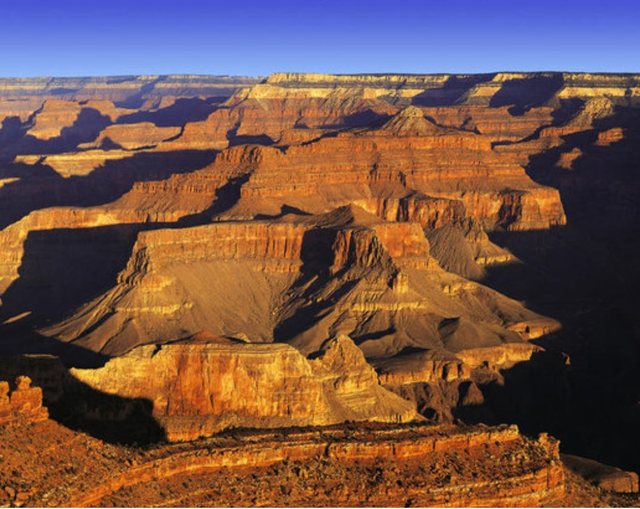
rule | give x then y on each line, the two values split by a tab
263	76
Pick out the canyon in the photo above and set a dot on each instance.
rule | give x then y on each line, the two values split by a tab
372	263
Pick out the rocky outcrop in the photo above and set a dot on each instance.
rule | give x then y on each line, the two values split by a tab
465	249
73	164
497	123
345	272
153	287
410	121
374	165
427	465
543	482
428	211
23	404
53	117
197	390
425	366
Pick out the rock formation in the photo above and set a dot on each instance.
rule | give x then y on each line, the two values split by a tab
53	117
195	388
134	136
24	403
331	248
606	477
425	465
310	278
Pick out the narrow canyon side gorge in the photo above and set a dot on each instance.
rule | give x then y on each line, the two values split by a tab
312	289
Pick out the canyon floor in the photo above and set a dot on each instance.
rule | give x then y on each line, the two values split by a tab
358	261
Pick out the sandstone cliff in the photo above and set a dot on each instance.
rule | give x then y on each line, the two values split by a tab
308	279
199	389
370	166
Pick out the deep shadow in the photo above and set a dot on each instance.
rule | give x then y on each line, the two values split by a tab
311	312
526	93
10	132
586	275
285	210
245	139
453	89
552	278
364	118
592	409
108	144
87	126
45	188
17	339
27	171
177	115
226	197
62	269
536	403
317	257
566	110
602	184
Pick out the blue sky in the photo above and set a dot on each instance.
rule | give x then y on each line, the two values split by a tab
112	37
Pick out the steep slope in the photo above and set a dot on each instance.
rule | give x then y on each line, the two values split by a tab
465	249
376	166
305	280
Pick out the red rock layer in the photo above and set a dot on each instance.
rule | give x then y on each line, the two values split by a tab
371	277
539	481
135	136
374	166
53	117
378	464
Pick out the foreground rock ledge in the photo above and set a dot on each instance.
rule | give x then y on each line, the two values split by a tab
416	464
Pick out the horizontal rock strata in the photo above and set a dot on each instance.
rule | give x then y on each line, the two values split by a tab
196	390
542	483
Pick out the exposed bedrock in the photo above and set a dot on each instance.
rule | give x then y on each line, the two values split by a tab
380	464
376	167
199	389
244	228
22	404
307	278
